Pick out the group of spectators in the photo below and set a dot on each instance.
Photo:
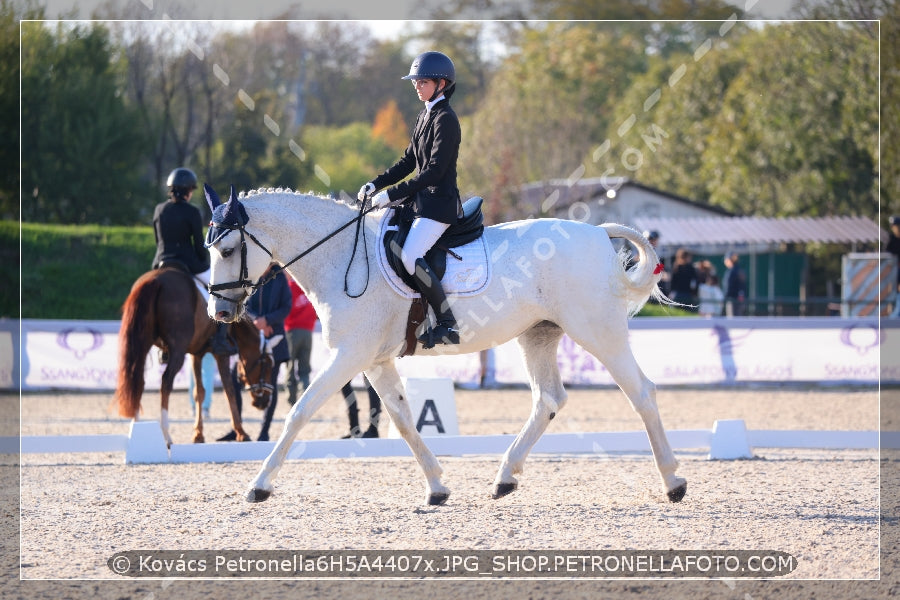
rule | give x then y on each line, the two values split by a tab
697	286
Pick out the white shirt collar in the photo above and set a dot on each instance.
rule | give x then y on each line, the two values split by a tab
430	105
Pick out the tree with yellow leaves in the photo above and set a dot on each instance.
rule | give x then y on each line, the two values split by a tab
390	127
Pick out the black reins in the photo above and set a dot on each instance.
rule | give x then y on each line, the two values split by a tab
245	284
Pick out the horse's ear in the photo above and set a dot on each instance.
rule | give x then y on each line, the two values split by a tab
212	198
234	215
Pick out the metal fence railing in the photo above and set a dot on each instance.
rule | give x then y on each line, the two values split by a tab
825	306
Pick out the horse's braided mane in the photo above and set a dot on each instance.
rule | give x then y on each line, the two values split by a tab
259	191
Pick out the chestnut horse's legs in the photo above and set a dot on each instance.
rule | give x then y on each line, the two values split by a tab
222	361
199	395
176	361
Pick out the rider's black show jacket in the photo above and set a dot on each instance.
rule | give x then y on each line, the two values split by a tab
432	152
178	228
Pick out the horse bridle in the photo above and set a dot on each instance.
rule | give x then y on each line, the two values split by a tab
243	283
264	385
248	286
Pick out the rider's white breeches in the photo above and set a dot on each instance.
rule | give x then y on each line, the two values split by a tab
422	236
201	280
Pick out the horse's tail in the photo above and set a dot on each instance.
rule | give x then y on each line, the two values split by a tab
641	280
135	339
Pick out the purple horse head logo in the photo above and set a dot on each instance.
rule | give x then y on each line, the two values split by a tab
81	342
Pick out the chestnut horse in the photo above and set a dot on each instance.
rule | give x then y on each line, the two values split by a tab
165	309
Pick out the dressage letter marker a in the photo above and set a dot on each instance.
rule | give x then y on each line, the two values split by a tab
433	406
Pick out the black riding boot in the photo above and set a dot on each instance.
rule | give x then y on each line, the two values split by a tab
445	332
374	411
352	411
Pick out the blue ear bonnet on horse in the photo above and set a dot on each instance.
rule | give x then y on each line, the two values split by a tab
225	217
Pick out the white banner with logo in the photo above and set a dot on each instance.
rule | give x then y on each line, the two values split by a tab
83	355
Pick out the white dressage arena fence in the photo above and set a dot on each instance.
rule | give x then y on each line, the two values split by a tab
434	411
727	440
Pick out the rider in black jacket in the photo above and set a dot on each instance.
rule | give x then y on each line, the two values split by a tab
432	153
178	227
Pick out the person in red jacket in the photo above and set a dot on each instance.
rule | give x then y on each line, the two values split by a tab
298	327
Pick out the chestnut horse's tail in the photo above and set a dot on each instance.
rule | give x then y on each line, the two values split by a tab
136	337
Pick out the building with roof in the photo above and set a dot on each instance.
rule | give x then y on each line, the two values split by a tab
772	249
608	200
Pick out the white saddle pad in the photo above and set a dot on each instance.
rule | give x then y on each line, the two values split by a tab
466	277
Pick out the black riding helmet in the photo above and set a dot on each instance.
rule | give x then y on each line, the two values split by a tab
434	65
181	181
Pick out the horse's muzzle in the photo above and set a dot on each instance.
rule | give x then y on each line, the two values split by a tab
225	316
261	394
223	311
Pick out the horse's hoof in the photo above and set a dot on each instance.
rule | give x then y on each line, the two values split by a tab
258	495
504	489
678	493
198	439
438	498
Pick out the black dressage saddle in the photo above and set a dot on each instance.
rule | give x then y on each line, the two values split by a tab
467	229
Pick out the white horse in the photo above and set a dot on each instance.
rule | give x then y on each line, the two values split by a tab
554	276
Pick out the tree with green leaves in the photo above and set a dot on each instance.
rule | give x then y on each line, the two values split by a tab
81	142
781	122
172	86
10	16
890	112
661	129
346	157
379	78
800	123
258	149
548	104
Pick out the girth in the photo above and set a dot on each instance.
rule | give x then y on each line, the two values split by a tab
467	229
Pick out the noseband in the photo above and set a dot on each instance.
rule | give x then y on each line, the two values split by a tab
264	385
